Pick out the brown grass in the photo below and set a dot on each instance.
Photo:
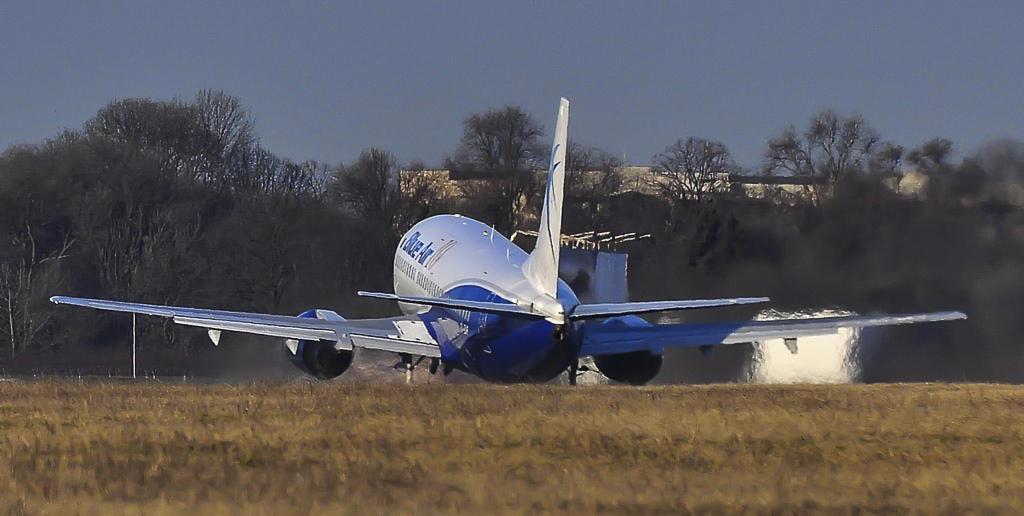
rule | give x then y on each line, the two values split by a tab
348	448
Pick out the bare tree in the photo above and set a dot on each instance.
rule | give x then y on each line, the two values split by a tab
500	147
887	159
932	159
210	140
227	136
592	177
421	195
308	178
691	169
168	131
370	186
886	164
227	120
932	156
157	201
24	281
265	169
831	148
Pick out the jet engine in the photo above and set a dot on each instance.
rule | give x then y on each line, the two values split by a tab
319	358
636	368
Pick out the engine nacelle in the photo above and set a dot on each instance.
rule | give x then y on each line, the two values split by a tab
319	358
636	368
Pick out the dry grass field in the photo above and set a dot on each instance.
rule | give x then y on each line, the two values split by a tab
99	448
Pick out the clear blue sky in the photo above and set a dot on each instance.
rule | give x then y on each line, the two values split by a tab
326	79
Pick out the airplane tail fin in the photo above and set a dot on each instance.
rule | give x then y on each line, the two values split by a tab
541	267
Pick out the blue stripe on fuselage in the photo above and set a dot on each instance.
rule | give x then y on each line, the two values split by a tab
496	347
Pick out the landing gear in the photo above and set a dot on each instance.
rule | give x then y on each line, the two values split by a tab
407	364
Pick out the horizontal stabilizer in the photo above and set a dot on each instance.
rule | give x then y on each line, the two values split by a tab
459	304
591	311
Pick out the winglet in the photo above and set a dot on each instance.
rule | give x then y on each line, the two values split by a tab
541	266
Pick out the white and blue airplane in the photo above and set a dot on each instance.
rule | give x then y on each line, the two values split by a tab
476	302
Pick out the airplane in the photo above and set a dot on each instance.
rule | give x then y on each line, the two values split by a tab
474	301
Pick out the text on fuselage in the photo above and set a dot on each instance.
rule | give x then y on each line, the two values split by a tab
417	249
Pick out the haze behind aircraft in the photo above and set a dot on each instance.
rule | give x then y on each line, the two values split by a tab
476	302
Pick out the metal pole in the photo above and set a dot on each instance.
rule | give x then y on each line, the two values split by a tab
134	317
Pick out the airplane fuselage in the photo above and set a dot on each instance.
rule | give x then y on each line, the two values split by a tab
455	257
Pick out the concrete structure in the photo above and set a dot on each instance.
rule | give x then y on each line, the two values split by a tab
630	179
642	180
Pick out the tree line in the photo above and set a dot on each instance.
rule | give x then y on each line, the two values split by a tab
178	202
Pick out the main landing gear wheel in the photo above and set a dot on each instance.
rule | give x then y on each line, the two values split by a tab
408	365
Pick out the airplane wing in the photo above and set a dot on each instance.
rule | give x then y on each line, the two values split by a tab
612	338
398	334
